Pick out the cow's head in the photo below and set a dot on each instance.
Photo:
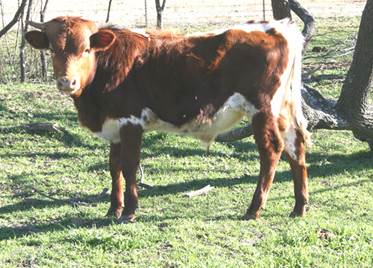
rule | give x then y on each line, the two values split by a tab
73	42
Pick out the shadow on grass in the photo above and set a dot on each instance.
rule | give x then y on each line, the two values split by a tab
57	116
81	222
151	149
334	188
55	155
64	136
66	223
52	202
336	164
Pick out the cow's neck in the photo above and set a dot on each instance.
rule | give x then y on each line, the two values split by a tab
113	67
114	64
89	111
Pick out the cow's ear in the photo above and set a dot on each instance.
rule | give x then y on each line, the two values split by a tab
102	40
37	39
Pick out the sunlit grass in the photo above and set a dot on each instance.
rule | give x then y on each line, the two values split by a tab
53	203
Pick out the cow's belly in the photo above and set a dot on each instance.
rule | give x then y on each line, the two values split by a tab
225	118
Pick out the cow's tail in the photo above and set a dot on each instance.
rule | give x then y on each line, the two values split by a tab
295	41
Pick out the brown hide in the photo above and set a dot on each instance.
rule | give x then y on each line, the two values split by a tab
181	80
184	78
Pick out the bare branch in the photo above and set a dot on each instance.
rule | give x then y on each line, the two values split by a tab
108	11
16	17
306	17
201	191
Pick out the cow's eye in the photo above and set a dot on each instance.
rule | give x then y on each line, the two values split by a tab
86	51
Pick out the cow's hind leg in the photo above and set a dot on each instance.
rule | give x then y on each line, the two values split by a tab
131	136
270	146
295	153
116	197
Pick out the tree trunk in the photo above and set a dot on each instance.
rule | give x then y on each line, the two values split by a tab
159	9
306	17
146	13
42	52
280	9
22	60
159	20
353	101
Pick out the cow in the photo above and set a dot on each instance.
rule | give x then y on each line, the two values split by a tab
124	83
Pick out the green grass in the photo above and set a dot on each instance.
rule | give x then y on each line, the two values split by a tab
52	203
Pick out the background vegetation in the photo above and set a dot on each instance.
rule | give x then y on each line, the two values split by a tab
54	189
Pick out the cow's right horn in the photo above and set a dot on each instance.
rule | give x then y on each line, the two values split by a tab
38	25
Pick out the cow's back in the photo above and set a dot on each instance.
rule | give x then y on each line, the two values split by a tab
185	78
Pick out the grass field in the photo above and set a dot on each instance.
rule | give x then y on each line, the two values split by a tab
53	192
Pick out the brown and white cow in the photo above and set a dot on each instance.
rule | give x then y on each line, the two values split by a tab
124	83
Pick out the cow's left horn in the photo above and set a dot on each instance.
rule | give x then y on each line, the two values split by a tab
37	25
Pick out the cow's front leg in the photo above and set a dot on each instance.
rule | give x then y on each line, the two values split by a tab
270	146
131	136
116	197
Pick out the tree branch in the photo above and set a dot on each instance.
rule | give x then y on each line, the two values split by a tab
306	17
280	9
15	18
108	11
159	9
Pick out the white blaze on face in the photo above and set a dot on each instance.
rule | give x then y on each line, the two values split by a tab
78	68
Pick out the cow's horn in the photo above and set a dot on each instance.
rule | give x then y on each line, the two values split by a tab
37	25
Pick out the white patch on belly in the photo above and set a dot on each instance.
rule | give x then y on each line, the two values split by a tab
225	118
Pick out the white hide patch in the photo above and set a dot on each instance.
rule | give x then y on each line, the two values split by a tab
290	137
111	127
110	130
140	32
225	118
279	25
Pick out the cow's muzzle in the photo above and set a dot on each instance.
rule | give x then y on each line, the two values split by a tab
68	85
